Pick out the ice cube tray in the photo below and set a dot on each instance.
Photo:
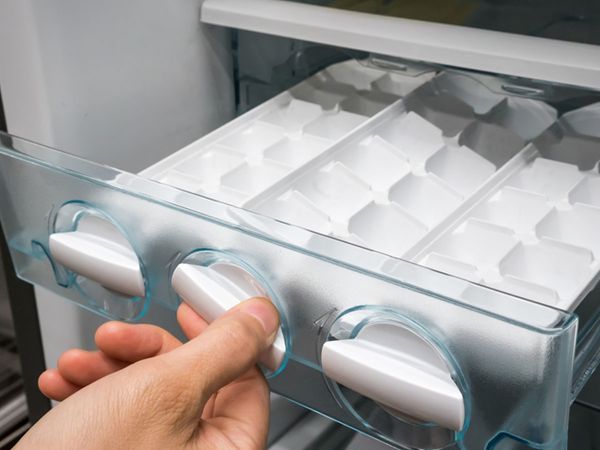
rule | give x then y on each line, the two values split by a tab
243	158
435	169
452	101
387	187
574	139
536	234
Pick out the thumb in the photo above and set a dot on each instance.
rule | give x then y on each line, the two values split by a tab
226	350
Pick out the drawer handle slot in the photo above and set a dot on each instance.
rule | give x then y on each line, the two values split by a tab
400	371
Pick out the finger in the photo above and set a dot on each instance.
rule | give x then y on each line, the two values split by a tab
214	408
190	321
227	349
54	386
81	367
245	402
132	343
240	411
120	344
249	393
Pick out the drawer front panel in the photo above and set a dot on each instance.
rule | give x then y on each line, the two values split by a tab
511	359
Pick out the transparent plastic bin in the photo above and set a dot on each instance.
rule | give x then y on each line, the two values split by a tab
429	199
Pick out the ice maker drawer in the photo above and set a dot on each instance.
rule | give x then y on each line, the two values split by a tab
484	336
431	166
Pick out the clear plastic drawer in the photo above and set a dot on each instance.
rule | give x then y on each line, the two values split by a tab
427	235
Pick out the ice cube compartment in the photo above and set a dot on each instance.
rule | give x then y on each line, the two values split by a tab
555	251
381	180
454	100
444	176
235	164
238	161
574	138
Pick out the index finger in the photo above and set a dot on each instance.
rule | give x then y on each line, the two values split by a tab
191	323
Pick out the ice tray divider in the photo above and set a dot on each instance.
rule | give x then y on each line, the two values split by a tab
517	162
362	131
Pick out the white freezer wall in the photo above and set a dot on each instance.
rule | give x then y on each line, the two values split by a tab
123	83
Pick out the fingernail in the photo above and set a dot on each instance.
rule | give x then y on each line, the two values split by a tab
265	312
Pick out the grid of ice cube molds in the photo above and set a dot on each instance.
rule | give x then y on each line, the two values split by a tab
454	101
535	236
574	138
245	157
387	188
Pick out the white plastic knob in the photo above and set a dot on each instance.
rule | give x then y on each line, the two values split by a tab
98	251
212	290
397	369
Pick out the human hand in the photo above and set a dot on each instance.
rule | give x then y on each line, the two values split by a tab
145	389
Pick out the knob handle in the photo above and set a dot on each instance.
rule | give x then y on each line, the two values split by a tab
212	290
97	250
399	370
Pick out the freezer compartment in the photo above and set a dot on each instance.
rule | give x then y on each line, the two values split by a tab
484	335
